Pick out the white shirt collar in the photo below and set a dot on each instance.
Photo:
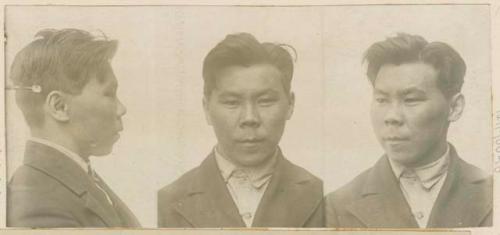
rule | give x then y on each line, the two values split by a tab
259	176
428	174
70	154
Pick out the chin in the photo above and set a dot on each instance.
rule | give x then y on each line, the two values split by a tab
252	160
101	152
405	159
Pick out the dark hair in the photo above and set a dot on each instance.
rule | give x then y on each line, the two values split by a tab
406	48
61	60
243	49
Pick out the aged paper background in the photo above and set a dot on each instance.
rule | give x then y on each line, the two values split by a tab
165	131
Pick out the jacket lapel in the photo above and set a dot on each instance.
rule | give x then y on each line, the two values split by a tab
382	203
128	218
290	198
465	198
72	176
102	209
208	202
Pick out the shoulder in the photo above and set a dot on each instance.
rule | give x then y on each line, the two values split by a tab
350	191
471	173
179	188
27	178
295	172
466	172
32	185
37	199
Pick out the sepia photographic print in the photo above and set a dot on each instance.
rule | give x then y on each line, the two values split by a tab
288	118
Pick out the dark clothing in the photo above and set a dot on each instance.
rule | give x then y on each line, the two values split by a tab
201	199
51	191
375	200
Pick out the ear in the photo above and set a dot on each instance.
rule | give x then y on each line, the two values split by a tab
291	105
56	106
206	110
457	105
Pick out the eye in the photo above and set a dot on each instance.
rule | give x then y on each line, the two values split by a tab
381	100
230	103
266	101
413	100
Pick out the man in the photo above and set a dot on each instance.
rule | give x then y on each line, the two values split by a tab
420	182
66	89
245	181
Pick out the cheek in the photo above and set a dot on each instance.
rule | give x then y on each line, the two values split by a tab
376	117
427	120
100	116
274	118
223	120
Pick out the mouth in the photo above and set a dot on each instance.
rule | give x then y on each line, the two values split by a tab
395	139
250	142
117	134
115	137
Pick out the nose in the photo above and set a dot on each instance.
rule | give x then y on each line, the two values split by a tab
394	116
250	116
121	109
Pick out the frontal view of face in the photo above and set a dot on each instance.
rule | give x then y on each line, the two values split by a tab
248	109
95	114
410	114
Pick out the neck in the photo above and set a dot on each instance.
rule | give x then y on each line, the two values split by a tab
268	159
59	138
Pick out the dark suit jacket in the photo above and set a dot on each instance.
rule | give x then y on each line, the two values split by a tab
374	199
200	198
50	190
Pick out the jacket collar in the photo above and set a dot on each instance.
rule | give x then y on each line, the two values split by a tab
466	197
428	174
55	164
383	204
258	176
291	197
208	202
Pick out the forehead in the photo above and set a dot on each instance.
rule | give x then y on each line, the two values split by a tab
404	76
103	77
255	77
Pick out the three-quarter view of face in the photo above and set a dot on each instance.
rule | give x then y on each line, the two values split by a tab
248	109
95	114
410	114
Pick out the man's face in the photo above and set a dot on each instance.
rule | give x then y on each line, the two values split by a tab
248	109
410	113
95	115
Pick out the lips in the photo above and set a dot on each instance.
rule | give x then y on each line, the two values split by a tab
250	142
396	139
116	134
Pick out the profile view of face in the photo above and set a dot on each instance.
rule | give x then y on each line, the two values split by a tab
95	114
248	109
410	114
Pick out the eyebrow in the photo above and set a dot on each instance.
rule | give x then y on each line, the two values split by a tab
406	91
229	94
378	91
412	90
267	91
260	93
